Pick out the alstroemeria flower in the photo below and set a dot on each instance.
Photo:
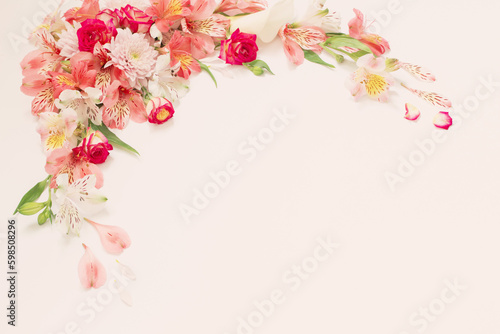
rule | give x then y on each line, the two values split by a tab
295	40
160	110
164	82
412	112
74	200
443	120
83	102
204	27
167	12
82	76
114	239
235	7
121	105
433	98
89	9
91	272
357	30
319	16
240	48
181	55
56	130
65	161
371	78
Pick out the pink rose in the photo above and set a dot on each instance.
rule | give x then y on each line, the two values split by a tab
160	110
240	48
93	31
128	17
94	148
98	153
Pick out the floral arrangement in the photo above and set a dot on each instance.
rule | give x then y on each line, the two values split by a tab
96	68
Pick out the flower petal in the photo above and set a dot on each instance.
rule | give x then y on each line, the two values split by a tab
418	72
412	112
91	271
433	98
443	120
114	239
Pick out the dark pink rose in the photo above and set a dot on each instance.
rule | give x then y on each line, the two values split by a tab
98	153
93	31
239	49
159	110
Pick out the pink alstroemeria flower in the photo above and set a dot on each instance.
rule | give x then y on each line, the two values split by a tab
166	12
301	38
357	28
91	272
122	104
82	76
371	79
77	166
235	7
181	55
114	239
88	10
204	27
443	120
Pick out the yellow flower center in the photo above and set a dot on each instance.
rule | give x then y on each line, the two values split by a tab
375	84
55	140
163	115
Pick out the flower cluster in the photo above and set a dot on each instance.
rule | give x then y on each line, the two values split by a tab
96	68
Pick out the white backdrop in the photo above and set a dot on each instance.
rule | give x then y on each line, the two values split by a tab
420	256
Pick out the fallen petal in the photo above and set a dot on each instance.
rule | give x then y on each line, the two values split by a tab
91	271
126	271
412	112
418	72
433	98
114	239
443	120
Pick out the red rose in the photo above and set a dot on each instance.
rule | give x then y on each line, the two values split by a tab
93	31
98	153
160	110
240	48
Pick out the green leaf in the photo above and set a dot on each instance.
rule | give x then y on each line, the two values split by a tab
34	193
112	138
255	65
207	69
31	208
314	58
339	41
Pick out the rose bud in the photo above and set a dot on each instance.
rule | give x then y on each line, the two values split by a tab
159	110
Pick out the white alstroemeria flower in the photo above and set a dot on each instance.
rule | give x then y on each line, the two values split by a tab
56	129
85	104
75	199
164	83
267	23
319	16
